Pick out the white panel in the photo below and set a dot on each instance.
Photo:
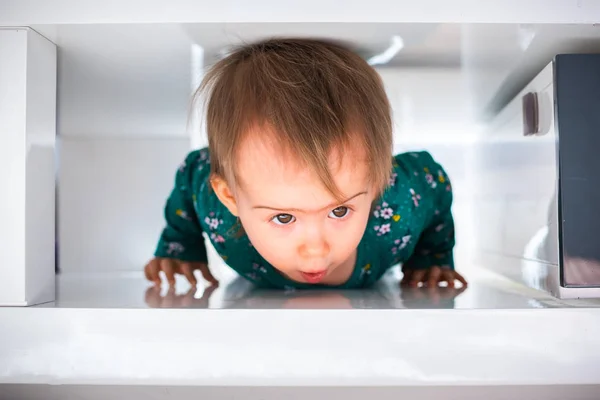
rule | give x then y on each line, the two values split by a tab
27	134
13	58
111	196
24	12
41	178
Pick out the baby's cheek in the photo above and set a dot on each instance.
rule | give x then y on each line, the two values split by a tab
271	246
346	237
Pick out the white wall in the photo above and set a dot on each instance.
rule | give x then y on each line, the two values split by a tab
123	98
430	108
430	105
123	80
431	112
111	195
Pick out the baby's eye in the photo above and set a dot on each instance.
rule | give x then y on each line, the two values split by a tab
283	219
339	212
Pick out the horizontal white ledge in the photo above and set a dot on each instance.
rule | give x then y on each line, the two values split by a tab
300	347
28	12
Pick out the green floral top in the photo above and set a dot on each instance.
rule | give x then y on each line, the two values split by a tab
411	223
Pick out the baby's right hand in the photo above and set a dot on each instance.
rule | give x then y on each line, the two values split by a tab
171	266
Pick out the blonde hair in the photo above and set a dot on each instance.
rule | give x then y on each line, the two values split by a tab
317	96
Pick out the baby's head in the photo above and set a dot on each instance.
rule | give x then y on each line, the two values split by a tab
300	137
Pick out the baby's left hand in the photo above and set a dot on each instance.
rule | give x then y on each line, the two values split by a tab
431	277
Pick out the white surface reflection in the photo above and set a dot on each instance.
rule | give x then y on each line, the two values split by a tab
486	290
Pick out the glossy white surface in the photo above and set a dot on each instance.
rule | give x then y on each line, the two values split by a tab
130	290
19	12
27	144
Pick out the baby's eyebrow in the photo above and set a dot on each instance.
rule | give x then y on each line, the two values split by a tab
302	211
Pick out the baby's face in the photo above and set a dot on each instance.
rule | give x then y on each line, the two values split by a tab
294	222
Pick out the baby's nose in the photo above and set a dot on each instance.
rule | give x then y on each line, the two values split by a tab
315	247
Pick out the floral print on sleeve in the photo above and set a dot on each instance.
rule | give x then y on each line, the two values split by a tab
182	236
412	222
436	241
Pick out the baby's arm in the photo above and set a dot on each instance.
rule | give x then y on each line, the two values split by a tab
433	258
181	247
436	243
182	236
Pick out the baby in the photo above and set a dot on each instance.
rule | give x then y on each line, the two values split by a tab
298	187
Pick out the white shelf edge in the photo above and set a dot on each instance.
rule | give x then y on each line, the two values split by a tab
300	347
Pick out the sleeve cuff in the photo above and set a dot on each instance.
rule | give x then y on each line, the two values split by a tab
425	261
188	251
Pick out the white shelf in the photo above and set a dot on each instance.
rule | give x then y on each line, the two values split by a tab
101	332
27	12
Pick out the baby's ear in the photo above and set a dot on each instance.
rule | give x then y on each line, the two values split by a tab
224	193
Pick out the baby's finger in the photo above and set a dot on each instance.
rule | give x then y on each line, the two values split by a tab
406	278
449	276
168	267
152	270
147	271
417	276
434	276
188	271
207	274
460	279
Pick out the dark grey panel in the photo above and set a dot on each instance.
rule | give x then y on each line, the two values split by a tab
578	124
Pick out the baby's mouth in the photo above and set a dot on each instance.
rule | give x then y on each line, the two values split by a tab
313	277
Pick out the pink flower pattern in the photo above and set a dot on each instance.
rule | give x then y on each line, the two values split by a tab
382	229
392	180
387	213
415	197
431	181
400	244
259	268
217	238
